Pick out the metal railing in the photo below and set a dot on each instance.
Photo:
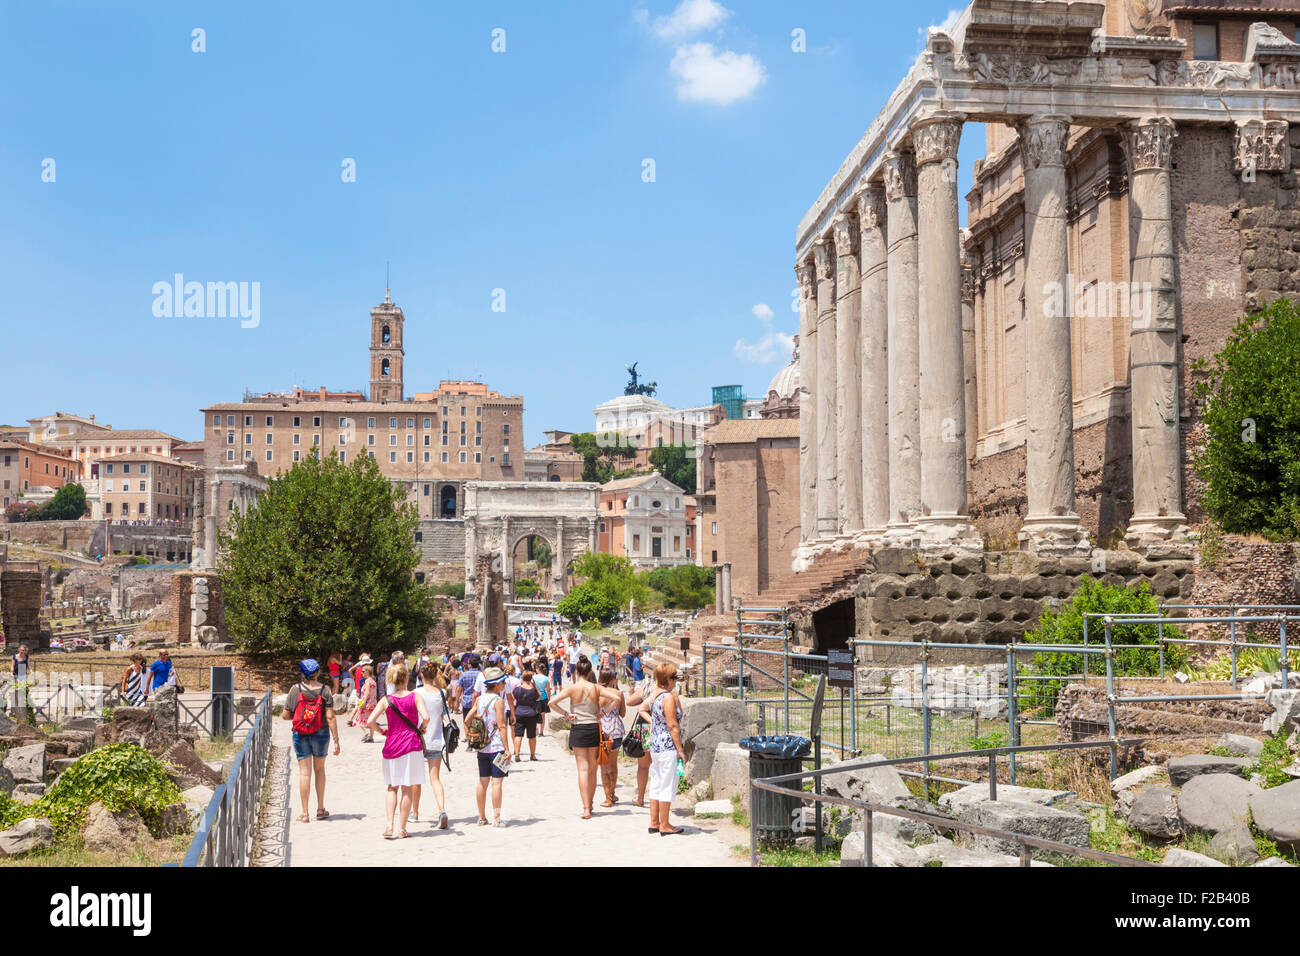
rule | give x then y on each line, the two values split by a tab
1025	842
226	829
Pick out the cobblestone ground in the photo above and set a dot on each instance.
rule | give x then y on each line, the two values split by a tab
540	804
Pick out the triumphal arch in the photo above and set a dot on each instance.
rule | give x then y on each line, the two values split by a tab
501	514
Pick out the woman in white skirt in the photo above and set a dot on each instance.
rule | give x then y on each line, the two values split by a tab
403	745
665	710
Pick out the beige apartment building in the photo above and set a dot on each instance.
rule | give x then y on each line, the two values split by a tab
147	488
431	443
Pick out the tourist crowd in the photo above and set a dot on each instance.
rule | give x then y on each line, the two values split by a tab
426	707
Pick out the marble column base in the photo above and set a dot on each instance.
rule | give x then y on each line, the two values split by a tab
949	531
901	535
1060	535
1152	529
870	539
806	555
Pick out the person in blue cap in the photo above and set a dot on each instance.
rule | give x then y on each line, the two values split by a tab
310	706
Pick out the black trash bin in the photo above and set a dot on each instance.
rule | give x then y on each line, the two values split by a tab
772	814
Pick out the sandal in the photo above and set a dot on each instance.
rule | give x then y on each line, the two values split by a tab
482	821
654	829
388	834
401	835
322	814
672	832
303	818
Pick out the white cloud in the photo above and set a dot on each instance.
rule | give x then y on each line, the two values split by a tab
772	346
690	17
704	75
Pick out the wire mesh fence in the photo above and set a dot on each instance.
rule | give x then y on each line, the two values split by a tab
1124	678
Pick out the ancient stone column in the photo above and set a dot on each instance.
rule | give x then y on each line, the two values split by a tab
828	522
807	401
471	557
1153	341
968	286
943	518
903	361
848	401
873	363
1051	523
557	561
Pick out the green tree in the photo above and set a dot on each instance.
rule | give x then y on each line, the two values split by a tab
586	602
1251	457
677	464
325	562
613	577
68	504
601	454
687	586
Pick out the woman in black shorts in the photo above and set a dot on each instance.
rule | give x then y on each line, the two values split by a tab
584	697
527	703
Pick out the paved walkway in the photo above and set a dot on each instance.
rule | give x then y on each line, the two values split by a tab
540	803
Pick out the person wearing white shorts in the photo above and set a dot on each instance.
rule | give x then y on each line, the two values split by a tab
665	711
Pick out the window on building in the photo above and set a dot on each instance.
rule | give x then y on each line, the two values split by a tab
216	420
428	423
270	420
410	457
462	441
248	454
392	439
715	527
392	457
269	454
248	438
297	422
715	558
108	506
478	440
126	469
1205	41
268	438
410	423
462	458
602	527
505	429
426	457
426	441
410	440
296	455
370	440
636	542
444	458
315	422
385	369
677	543
230	455
505	460
370	423
297	439
426	491
230	438
444	441
392	423
343	438
343	457
478	458
315	440
248	421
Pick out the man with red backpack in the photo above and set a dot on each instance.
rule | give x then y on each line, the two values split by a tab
310	706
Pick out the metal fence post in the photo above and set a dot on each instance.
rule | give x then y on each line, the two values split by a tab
1085	648
704	669
866	841
740	643
1110	701
1012	730
785	632
993	776
853	696
1281	623
925	712
1160	641
1232	644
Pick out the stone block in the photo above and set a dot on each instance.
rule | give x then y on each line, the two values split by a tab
1155	813
882	785
26	764
1183	769
1240	745
1276	812
1030	819
707	722
730	773
886	850
26	835
1180	857
106	831
955	801
1218	804
945	854
709	808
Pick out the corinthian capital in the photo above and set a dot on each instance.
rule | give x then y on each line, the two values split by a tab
1261	146
871	207
936	140
900	174
824	258
1043	138
846	234
807	281
1149	143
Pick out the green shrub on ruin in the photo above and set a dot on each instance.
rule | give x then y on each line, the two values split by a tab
1250	460
325	561
1067	625
120	776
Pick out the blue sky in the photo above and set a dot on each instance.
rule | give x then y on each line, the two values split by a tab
476	171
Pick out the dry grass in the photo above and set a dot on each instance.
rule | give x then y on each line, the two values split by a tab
152	853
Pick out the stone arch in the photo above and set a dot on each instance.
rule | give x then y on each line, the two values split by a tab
447	501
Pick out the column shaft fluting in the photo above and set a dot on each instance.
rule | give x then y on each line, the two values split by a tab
874	359
943	389
848	404
1153	341
1049	395
807	401
827	499
902	358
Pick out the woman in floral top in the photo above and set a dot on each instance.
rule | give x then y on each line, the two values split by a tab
367	705
665	710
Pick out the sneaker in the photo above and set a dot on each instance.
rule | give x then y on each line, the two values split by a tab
413	817
482	821
442	821
499	823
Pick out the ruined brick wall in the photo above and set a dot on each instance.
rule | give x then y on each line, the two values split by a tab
176	609
20	604
991	598
1247	572
65	535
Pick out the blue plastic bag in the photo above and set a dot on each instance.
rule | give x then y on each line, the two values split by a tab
777	745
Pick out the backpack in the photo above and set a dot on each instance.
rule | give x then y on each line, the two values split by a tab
476	730
307	713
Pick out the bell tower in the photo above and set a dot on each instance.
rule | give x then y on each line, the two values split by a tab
386	352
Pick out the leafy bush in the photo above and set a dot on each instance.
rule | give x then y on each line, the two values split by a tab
1066	627
456	590
1251	458
614	578
121	776
585	602
687	586
526	588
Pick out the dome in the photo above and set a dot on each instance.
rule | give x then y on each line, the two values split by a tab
786	382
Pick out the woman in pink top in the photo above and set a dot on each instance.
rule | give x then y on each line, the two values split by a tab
403	745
